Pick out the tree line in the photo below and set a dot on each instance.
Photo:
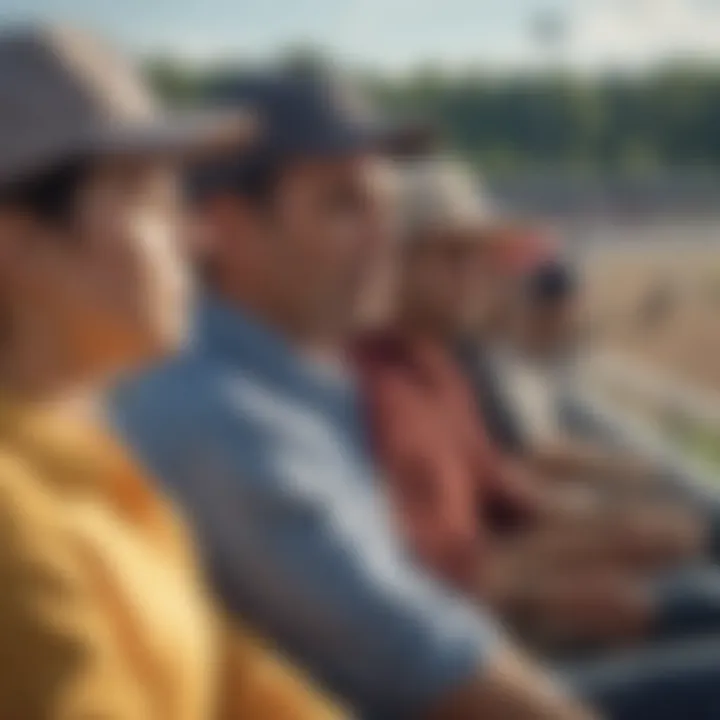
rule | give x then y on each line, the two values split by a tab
656	123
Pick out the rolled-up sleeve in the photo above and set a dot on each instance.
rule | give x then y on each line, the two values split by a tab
308	558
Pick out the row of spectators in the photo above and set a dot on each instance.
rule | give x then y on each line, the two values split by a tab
189	464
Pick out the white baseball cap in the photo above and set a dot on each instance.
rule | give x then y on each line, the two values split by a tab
440	195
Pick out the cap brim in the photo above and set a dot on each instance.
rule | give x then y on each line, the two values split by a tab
501	230
484	231
400	141
181	136
177	137
409	140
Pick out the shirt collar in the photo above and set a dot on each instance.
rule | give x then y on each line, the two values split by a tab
70	449
230	332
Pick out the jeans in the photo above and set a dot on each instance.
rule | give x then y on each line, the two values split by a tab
688	603
679	681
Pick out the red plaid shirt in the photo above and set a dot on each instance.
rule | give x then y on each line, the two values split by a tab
449	486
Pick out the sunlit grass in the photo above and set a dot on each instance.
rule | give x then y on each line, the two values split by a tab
702	442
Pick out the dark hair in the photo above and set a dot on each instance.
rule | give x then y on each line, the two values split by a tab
553	282
254	177
50	195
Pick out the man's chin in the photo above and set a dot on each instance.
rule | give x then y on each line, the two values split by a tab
155	343
170	339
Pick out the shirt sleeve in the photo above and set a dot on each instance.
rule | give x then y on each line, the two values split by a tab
492	403
421	502
57	655
324	577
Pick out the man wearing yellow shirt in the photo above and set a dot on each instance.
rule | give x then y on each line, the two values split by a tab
102	612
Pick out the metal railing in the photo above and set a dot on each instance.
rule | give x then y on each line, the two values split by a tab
659	392
631	405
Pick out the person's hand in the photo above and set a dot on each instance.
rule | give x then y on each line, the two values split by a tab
643	538
660	536
596	606
570	507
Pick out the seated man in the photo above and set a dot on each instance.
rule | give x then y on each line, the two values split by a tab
539	383
102	612
477	518
540	350
535	363
526	329
257	429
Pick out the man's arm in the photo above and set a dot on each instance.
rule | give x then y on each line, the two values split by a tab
509	689
311	560
571	459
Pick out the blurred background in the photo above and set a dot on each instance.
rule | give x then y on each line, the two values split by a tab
600	118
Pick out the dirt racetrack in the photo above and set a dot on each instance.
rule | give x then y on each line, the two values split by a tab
659	300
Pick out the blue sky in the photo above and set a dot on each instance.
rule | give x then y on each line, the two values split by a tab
395	34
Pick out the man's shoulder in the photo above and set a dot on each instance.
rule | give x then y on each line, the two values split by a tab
178	397
158	388
191	399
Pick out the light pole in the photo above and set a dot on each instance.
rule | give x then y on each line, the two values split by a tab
549	30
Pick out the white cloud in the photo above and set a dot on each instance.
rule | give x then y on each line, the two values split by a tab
397	34
638	33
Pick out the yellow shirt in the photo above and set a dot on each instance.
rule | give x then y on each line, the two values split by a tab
102	615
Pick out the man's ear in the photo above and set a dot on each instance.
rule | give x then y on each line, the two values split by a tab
223	227
228	218
15	231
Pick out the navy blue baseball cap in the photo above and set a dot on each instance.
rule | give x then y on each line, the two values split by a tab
316	115
553	281
310	115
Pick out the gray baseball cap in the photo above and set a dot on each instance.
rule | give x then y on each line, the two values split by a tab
63	94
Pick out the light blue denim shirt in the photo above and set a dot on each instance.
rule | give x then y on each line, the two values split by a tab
268	455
